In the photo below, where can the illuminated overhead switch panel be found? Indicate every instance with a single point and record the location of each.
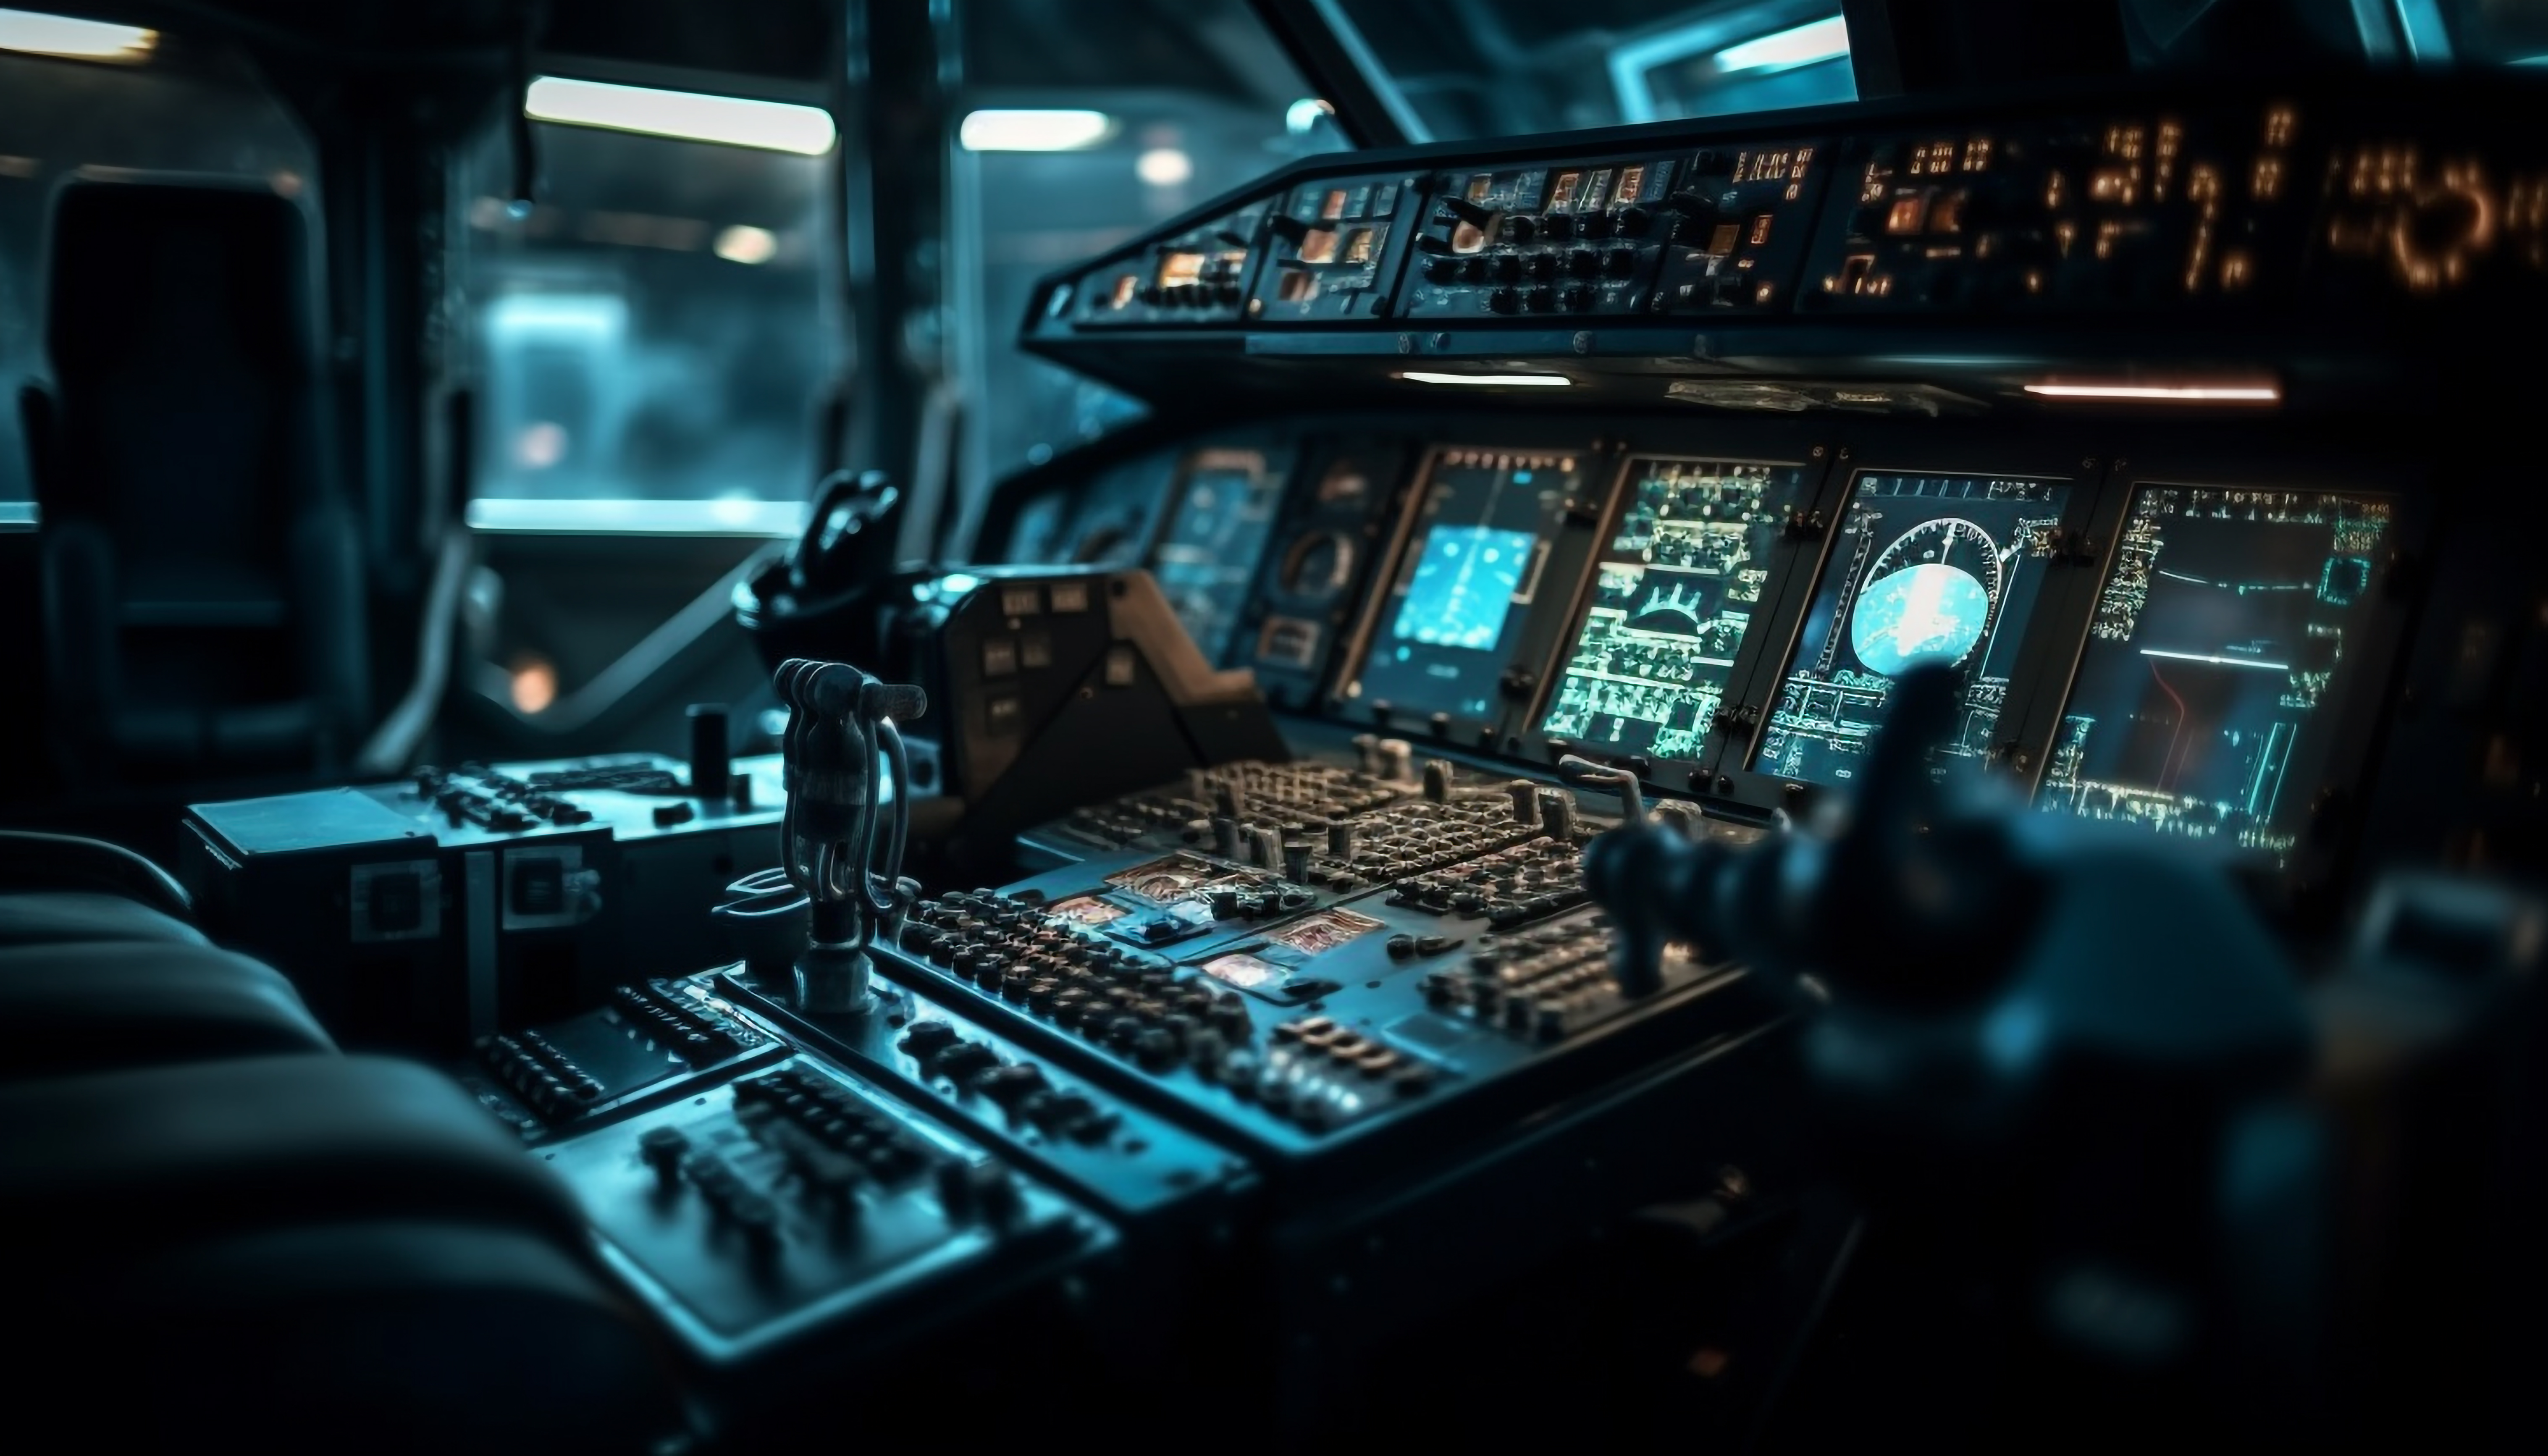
(2156, 211)
(1327, 252)
(1199, 275)
(1741, 221)
(1568, 241)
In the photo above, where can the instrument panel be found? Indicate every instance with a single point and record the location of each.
(1733, 262)
(1723, 607)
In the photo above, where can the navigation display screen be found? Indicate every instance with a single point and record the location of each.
(1474, 557)
(1926, 569)
(1224, 514)
(1674, 593)
(2218, 663)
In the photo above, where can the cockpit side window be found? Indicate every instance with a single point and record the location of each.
(1073, 134)
(653, 336)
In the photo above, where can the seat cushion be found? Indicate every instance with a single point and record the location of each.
(105, 1005)
(373, 1335)
(61, 917)
(118, 1164)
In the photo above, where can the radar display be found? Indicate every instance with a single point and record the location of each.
(2208, 693)
(1926, 569)
(1224, 516)
(1672, 597)
(1479, 539)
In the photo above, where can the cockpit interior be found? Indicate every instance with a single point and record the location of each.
(1291, 725)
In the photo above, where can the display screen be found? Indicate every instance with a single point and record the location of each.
(1926, 569)
(1473, 563)
(1224, 514)
(1674, 594)
(2218, 661)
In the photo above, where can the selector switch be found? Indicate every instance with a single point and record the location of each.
(927, 1038)
(663, 1148)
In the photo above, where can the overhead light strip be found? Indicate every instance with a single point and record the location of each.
(688, 116)
(38, 33)
(2226, 393)
(1417, 376)
(1822, 39)
(1049, 130)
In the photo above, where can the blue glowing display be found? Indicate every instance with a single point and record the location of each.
(2222, 652)
(1465, 579)
(1466, 582)
(1926, 569)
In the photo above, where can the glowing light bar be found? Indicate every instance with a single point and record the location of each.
(2265, 394)
(1417, 376)
(747, 245)
(689, 116)
(1034, 131)
(777, 519)
(81, 40)
(1822, 39)
(2216, 660)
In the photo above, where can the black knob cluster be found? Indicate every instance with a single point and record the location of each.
(696, 1033)
(1506, 888)
(1191, 294)
(833, 1139)
(480, 795)
(1127, 1001)
(1544, 984)
(1403, 840)
(544, 1077)
(1022, 1089)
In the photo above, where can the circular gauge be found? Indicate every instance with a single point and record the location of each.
(1927, 598)
(1317, 566)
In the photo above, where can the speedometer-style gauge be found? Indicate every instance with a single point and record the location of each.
(1928, 597)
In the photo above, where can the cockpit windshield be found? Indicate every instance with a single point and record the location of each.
(1467, 68)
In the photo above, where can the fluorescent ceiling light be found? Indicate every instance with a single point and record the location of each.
(1823, 39)
(728, 517)
(1164, 166)
(729, 121)
(2217, 392)
(1417, 376)
(85, 40)
(1034, 131)
(748, 246)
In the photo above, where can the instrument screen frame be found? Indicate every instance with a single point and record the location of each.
(1566, 557)
(1806, 447)
(2059, 615)
(2408, 483)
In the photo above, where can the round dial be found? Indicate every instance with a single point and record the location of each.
(1928, 597)
(1317, 566)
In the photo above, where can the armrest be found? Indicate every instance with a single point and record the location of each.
(30, 860)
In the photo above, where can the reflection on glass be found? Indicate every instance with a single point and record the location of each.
(1925, 569)
(657, 327)
(1479, 69)
(1225, 516)
(2216, 668)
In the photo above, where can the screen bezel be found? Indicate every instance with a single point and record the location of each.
(1275, 466)
(1569, 556)
(2060, 614)
(2324, 851)
(1807, 448)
